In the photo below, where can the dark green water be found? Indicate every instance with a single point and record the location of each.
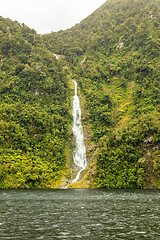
(79, 214)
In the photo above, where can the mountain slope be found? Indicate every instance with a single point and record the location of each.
(34, 110)
(114, 56)
(119, 78)
(123, 20)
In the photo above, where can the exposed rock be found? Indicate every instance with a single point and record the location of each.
(149, 140)
(120, 45)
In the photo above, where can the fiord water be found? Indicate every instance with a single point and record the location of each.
(74, 214)
(79, 151)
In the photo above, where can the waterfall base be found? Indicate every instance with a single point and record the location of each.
(76, 178)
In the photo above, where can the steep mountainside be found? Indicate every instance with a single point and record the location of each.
(34, 110)
(114, 56)
(132, 22)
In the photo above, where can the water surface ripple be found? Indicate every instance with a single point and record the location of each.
(79, 214)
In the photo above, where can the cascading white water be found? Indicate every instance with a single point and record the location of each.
(79, 151)
(57, 57)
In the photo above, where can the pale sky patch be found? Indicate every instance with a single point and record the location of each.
(46, 16)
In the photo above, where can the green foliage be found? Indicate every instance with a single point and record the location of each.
(114, 55)
(34, 110)
(123, 160)
(120, 80)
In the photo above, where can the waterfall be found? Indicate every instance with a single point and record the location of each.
(57, 57)
(79, 151)
(83, 60)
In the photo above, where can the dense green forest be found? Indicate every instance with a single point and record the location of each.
(114, 56)
(34, 109)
